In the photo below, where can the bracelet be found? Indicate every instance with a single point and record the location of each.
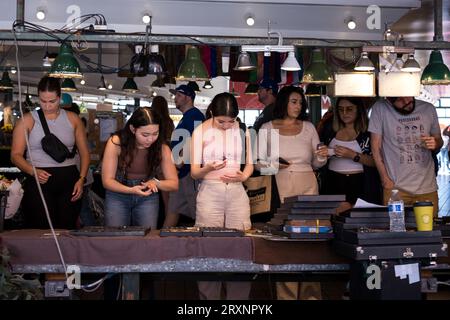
(158, 182)
(82, 178)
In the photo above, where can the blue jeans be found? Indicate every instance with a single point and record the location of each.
(131, 210)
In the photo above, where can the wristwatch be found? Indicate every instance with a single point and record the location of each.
(357, 157)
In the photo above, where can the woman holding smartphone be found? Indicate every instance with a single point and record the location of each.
(351, 162)
(221, 159)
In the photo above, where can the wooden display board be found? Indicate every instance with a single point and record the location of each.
(101, 125)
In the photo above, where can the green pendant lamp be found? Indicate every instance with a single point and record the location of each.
(65, 64)
(253, 86)
(436, 72)
(193, 68)
(130, 86)
(68, 85)
(5, 82)
(317, 71)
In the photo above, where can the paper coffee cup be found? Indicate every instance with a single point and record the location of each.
(423, 211)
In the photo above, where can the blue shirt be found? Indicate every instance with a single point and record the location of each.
(189, 121)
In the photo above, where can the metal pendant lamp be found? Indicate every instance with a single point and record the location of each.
(155, 61)
(317, 71)
(6, 82)
(65, 64)
(194, 86)
(244, 62)
(130, 86)
(436, 72)
(192, 68)
(68, 85)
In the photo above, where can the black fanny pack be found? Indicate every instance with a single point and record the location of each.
(52, 145)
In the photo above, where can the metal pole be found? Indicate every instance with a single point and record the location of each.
(438, 20)
(20, 13)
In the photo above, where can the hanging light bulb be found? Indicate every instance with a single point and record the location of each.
(208, 85)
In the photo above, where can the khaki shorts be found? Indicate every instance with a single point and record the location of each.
(183, 201)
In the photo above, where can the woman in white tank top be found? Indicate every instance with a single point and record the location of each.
(349, 150)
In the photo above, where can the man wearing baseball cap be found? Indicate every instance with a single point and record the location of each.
(183, 201)
(267, 94)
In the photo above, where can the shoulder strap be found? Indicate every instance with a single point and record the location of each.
(242, 131)
(43, 122)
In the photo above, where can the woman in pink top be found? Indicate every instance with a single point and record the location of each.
(220, 161)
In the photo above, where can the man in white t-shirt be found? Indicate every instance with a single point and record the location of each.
(404, 131)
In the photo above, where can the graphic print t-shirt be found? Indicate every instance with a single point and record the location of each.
(407, 161)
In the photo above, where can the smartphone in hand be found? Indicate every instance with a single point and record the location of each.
(283, 161)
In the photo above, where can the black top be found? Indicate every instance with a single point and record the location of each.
(265, 116)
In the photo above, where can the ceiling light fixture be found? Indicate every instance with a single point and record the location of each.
(68, 85)
(250, 21)
(208, 85)
(65, 64)
(411, 65)
(351, 24)
(436, 72)
(5, 82)
(317, 71)
(364, 63)
(102, 85)
(194, 86)
(143, 62)
(146, 18)
(130, 86)
(41, 13)
(192, 68)
(82, 82)
(291, 63)
(267, 49)
(244, 62)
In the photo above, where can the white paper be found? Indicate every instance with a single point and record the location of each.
(360, 203)
(408, 270)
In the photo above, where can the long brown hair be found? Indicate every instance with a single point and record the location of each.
(161, 107)
(361, 121)
(141, 117)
